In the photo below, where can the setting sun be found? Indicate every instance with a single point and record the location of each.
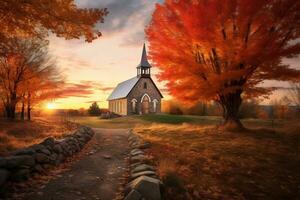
(50, 106)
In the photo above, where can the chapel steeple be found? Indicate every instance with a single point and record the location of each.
(143, 69)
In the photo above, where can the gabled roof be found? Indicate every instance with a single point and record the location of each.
(123, 89)
(144, 60)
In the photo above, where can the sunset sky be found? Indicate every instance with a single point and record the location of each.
(92, 70)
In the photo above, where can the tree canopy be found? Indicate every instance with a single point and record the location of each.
(94, 109)
(26, 73)
(224, 50)
(63, 18)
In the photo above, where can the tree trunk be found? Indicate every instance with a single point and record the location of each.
(10, 106)
(28, 108)
(23, 109)
(231, 104)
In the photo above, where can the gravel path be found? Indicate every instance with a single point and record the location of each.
(97, 176)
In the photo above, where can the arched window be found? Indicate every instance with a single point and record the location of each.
(148, 98)
(155, 105)
(133, 105)
(145, 85)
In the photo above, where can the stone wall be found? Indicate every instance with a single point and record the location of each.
(143, 181)
(37, 158)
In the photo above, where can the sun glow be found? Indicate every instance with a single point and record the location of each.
(50, 106)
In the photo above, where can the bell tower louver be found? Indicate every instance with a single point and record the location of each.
(144, 68)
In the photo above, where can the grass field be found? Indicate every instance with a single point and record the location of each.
(194, 159)
(18, 134)
(199, 162)
(133, 121)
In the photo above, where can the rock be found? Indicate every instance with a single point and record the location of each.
(107, 156)
(20, 175)
(132, 137)
(57, 148)
(138, 158)
(53, 157)
(143, 173)
(46, 166)
(134, 144)
(45, 151)
(49, 142)
(4, 174)
(17, 161)
(133, 195)
(77, 146)
(2, 162)
(81, 140)
(134, 165)
(145, 145)
(134, 150)
(38, 147)
(42, 158)
(38, 168)
(135, 153)
(25, 151)
(60, 158)
(142, 167)
(148, 187)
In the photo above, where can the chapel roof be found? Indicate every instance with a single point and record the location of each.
(123, 89)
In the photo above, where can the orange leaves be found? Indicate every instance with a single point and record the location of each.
(210, 48)
(63, 18)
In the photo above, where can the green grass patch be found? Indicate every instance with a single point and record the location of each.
(132, 121)
(135, 120)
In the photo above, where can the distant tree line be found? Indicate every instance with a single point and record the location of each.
(93, 110)
(284, 108)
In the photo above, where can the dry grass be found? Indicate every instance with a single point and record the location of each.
(18, 134)
(199, 162)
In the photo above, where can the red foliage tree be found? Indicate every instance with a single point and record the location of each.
(61, 17)
(223, 50)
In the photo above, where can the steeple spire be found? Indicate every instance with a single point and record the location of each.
(143, 69)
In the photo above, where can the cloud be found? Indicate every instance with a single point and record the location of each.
(69, 62)
(129, 16)
(121, 12)
(82, 89)
(292, 62)
(93, 101)
(133, 40)
(106, 89)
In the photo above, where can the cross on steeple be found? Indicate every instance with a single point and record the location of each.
(143, 69)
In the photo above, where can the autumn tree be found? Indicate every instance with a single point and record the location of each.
(44, 86)
(23, 68)
(223, 50)
(63, 18)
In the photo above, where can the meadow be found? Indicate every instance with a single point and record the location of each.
(136, 120)
(197, 161)
(193, 157)
(18, 134)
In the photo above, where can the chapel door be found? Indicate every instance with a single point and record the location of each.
(145, 105)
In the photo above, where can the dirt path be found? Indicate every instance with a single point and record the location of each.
(96, 176)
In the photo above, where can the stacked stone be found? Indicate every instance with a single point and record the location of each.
(144, 183)
(36, 159)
